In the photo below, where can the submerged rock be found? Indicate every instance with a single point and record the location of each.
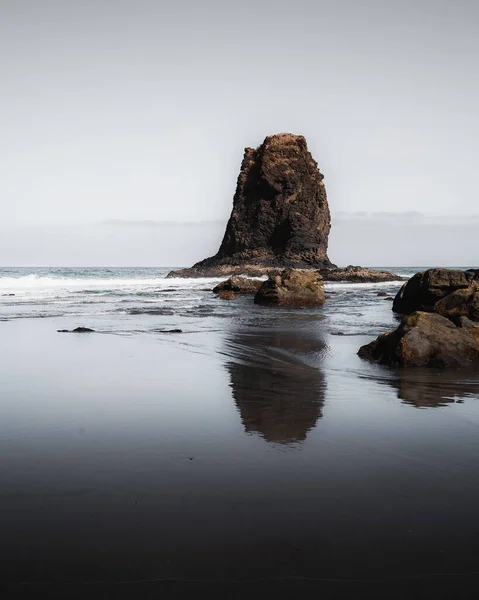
(239, 285)
(354, 274)
(280, 215)
(293, 287)
(226, 295)
(426, 339)
(77, 330)
(425, 289)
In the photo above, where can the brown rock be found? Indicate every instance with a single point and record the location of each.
(239, 285)
(280, 215)
(424, 289)
(461, 303)
(426, 339)
(226, 295)
(293, 287)
(354, 274)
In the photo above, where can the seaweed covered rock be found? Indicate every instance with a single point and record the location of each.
(293, 287)
(426, 339)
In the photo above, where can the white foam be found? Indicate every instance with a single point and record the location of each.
(34, 282)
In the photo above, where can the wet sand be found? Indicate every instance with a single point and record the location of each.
(267, 458)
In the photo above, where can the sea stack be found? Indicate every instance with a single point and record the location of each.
(280, 215)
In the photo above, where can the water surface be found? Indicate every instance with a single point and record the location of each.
(253, 448)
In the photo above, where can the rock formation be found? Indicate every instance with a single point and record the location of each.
(239, 285)
(357, 275)
(425, 289)
(280, 215)
(293, 287)
(426, 339)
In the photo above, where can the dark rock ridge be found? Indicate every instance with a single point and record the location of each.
(293, 287)
(426, 339)
(239, 285)
(77, 330)
(425, 289)
(354, 274)
(280, 215)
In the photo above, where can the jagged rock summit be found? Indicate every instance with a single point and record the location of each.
(280, 215)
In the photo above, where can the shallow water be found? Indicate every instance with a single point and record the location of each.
(253, 446)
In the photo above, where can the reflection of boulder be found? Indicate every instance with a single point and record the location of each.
(278, 395)
(425, 389)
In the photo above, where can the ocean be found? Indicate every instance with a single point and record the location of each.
(191, 441)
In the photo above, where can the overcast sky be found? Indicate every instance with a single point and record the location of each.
(141, 109)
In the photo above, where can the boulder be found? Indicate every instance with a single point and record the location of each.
(461, 303)
(426, 339)
(280, 215)
(425, 289)
(354, 274)
(226, 295)
(293, 287)
(239, 285)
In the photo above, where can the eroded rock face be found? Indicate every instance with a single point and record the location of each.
(425, 289)
(280, 215)
(239, 285)
(426, 339)
(293, 287)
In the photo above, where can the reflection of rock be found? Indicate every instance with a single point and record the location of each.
(423, 389)
(278, 396)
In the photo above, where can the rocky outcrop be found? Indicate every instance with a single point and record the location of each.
(425, 289)
(280, 215)
(293, 287)
(239, 285)
(426, 339)
(354, 274)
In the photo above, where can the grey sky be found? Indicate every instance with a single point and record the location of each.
(114, 109)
